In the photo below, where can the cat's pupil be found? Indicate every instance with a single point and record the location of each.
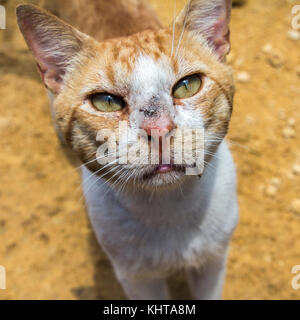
(186, 84)
(109, 99)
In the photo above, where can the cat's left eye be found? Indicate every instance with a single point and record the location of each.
(107, 102)
(187, 87)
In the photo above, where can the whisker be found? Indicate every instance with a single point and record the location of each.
(96, 159)
(106, 183)
(210, 168)
(128, 178)
(233, 143)
(99, 178)
(214, 155)
(183, 29)
(93, 174)
(174, 26)
(96, 172)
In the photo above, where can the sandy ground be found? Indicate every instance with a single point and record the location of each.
(46, 243)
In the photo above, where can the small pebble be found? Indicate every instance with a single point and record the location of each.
(295, 206)
(291, 122)
(275, 182)
(275, 60)
(271, 191)
(250, 119)
(294, 35)
(289, 174)
(239, 62)
(243, 77)
(288, 133)
(267, 48)
(296, 169)
(5, 123)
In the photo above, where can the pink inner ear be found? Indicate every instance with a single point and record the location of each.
(49, 70)
(211, 18)
(51, 78)
(52, 42)
(221, 35)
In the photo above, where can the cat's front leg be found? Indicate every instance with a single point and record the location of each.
(144, 288)
(206, 282)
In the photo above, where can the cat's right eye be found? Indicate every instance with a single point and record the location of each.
(187, 87)
(107, 102)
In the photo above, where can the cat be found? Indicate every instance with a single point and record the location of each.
(124, 66)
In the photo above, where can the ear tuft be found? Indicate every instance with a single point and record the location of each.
(53, 43)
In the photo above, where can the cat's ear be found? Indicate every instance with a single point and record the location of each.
(210, 19)
(53, 43)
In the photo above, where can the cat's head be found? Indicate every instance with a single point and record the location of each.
(163, 82)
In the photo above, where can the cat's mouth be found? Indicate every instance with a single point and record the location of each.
(165, 169)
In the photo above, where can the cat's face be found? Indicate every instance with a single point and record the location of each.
(162, 82)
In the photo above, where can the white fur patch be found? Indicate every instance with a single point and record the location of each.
(151, 78)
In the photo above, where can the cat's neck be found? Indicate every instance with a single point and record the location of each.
(139, 200)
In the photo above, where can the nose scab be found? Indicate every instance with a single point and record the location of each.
(149, 112)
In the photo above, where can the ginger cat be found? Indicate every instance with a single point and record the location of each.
(124, 67)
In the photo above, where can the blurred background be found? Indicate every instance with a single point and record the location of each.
(46, 243)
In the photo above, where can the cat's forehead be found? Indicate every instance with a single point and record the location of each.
(144, 65)
(152, 43)
(131, 62)
(182, 50)
(143, 61)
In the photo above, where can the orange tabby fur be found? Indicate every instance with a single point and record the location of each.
(147, 227)
(107, 65)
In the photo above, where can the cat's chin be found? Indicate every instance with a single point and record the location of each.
(162, 177)
(149, 178)
(165, 181)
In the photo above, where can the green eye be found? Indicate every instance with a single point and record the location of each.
(187, 87)
(106, 102)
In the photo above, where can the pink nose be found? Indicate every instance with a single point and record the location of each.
(162, 126)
